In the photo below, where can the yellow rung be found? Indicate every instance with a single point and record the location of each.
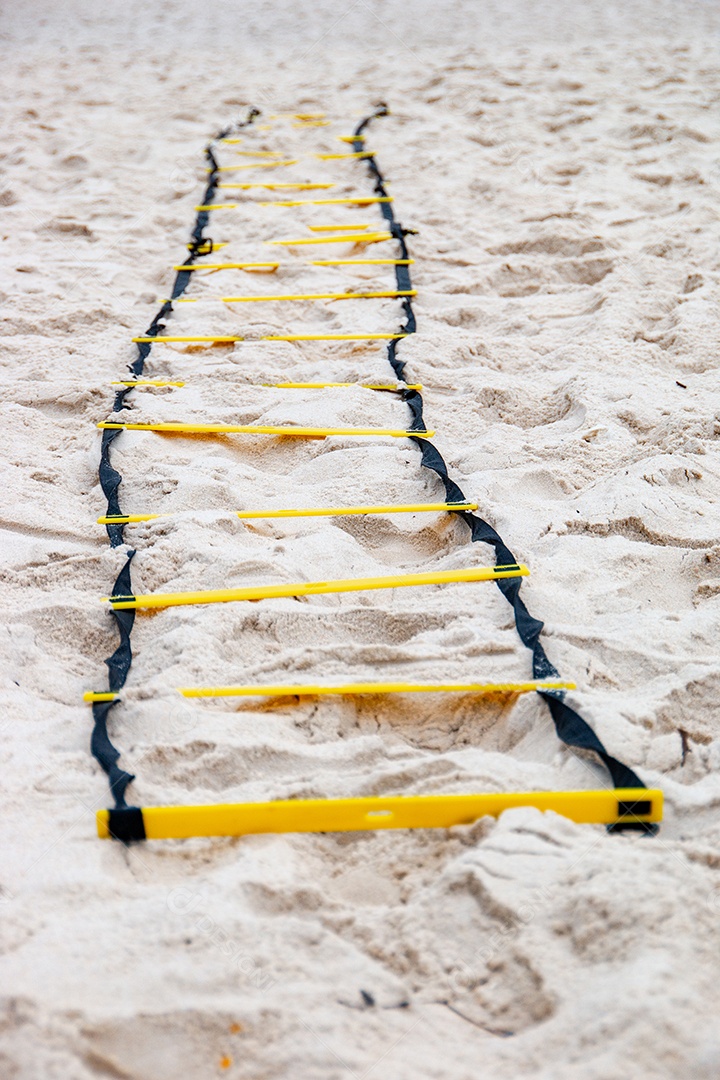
(606, 807)
(317, 588)
(414, 508)
(89, 695)
(189, 337)
(226, 338)
(383, 295)
(230, 141)
(312, 690)
(144, 382)
(218, 206)
(274, 187)
(128, 519)
(298, 116)
(262, 429)
(365, 386)
(351, 138)
(334, 337)
(357, 200)
(361, 262)
(230, 266)
(214, 248)
(339, 157)
(364, 238)
(337, 228)
(255, 165)
(270, 267)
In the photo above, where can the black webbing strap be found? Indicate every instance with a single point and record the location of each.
(570, 727)
(126, 822)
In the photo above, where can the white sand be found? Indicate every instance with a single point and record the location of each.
(561, 165)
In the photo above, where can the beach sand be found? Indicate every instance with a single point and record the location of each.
(560, 165)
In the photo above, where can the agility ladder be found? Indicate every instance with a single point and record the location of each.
(629, 804)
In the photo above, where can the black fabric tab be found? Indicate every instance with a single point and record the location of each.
(126, 824)
(627, 809)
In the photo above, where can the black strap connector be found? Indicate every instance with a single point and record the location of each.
(125, 823)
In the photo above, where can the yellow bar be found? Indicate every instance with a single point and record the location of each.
(189, 337)
(362, 238)
(339, 157)
(414, 508)
(276, 187)
(89, 695)
(365, 386)
(230, 141)
(337, 228)
(359, 262)
(145, 382)
(127, 519)
(256, 165)
(214, 248)
(313, 262)
(387, 294)
(357, 200)
(351, 138)
(385, 812)
(353, 689)
(228, 266)
(297, 116)
(334, 337)
(275, 337)
(218, 206)
(317, 588)
(262, 429)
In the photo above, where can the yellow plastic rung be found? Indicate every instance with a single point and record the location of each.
(399, 387)
(352, 689)
(230, 142)
(89, 695)
(413, 508)
(337, 228)
(382, 295)
(262, 429)
(356, 200)
(362, 238)
(144, 382)
(360, 262)
(339, 157)
(127, 519)
(274, 187)
(298, 116)
(388, 812)
(228, 266)
(335, 337)
(227, 338)
(351, 138)
(215, 247)
(270, 267)
(317, 588)
(189, 337)
(255, 165)
(218, 206)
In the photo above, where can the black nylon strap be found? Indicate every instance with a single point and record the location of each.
(569, 725)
